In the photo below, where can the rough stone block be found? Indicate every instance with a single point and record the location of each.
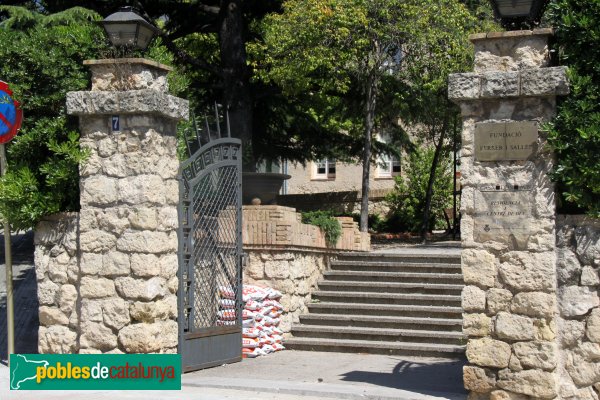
(504, 395)
(577, 300)
(488, 352)
(98, 190)
(473, 299)
(91, 263)
(148, 338)
(97, 241)
(514, 327)
(582, 364)
(532, 382)
(115, 313)
(147, 242)
(572, 332)
(91, 310)
(143, 218)
(115, 263)
(141, 289)
(57, 339)
(47, 292)
(154, 311)
(528, 272)
(592, 330)
(478, 380)
(476, 325)
(464, 86)
(52, 316)
(97, 336)
(478, 268)
(550, 81)
(499, 84)
(94, 288)
(589, 277)
(66, 298)
(141, 189)
(540, 355)
(145, 265)
(498, 300)
(534, 304)
(168, 266)
(568, 267)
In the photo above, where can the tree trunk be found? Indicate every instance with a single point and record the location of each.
(432, 171)
(237, 97)
(370, 98)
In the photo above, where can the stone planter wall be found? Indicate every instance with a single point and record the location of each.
(287, 255)
(578, 265)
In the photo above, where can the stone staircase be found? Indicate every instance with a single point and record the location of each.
(406, 304)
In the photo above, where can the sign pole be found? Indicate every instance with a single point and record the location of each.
(10, 319)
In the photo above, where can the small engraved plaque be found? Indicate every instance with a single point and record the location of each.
(510, 141)
(503, 214)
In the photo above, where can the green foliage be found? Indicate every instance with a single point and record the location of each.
(575, 132)
(328, 224)
(42, 59)
(407, 200)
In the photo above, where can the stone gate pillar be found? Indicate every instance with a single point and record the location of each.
(127, 258)
(508, 216)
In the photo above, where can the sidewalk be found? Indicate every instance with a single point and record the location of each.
(294, 375)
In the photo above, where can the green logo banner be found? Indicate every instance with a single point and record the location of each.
(95, 372)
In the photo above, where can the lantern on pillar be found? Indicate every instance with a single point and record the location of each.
(126, 28)
(519, 14)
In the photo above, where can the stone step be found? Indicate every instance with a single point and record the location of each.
(401, 258)
(405, 277)
(378, 334)
(385, 266)
(387, 298)
(386, 309)
(377, 347)
(376, 321)
(391, 287)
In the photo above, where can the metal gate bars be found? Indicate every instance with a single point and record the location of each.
(210, 255)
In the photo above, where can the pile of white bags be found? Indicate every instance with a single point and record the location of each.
(260, 316)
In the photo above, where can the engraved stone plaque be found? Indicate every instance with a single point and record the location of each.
(510, 141)
(503, 214)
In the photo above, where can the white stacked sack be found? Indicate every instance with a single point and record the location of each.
(260, 316)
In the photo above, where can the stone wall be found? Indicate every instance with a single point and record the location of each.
(290, 256)
(508, 220)
(57, 273)
(578, 265)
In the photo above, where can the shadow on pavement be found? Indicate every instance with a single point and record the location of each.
(424, 378)
(25, 296)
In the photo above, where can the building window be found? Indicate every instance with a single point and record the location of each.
(388, 166)
(325, 169)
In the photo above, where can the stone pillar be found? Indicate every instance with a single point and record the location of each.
(508, 216)
(128, 220)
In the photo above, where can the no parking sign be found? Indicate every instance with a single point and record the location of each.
(11, 114)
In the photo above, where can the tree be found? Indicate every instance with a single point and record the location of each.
(362, 47)
(575, 132)
(42, 59)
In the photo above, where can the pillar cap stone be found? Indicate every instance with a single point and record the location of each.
(510, 34)
(140, 61)
(131, 102)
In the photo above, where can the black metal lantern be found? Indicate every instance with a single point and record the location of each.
(519, 14)
(126, 28)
